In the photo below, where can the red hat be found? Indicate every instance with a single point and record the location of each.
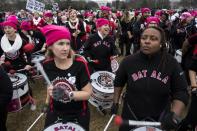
(145, 10)
(48, 14)
(54, 33)
(13, 18)
(101, 21)
(10, 23)
(105, 8)
(152, 19)
(28, 48)
(25, 25)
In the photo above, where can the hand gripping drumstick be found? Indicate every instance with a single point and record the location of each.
(35, 121)
(111, 118)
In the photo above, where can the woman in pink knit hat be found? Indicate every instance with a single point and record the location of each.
(69, 75)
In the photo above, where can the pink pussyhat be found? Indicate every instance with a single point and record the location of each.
(53, 33)
(185, 15)
(101, 21)
(10, 23)
(13, 18)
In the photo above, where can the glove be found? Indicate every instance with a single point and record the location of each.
(170, 121)
(58, 93)
(45, 108)
(114, 108)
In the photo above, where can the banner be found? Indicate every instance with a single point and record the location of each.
(33, 5)
(55, 7)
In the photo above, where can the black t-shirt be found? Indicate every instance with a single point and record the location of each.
(150, 86)
(72, 79)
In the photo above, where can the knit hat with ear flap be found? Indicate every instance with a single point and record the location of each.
(53, 33)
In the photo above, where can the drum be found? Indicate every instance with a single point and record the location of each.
(178, 56)
(69, 126)
(114, 65)
(20, 92)
(146, 128)
(103, 89)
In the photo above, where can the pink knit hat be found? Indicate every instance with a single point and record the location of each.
(152, 19)
(48, 14)
(25, 25)
(10, 23)
(185, 15)
(101, 21)
(13, 18)
(54, 33)
(145, 10)
(105, 8)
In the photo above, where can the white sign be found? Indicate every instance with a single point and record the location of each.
(55, 7)
(34, 5)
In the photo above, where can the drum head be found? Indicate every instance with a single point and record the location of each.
(103, 81)
(17, 79)
(146, 128)
(69, 126)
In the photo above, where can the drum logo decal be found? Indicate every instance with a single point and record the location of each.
(65, 127)
(150, 129)
(12, 55)
(65, 84)
(105, 80)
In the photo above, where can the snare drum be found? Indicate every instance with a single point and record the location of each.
(146, 128)
(114, 65)
(103, 89)
(69, 126)
(20, 92)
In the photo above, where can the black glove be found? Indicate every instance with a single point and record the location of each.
(170, 121)
(58, 93)
(45, 108)
(114, 108)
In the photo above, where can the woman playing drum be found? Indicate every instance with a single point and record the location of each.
(156, 85)
(70, 87)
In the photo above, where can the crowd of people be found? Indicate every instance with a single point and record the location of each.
(78, 43)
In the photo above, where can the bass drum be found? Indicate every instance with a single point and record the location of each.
(69, 126)
(20, 92)
(146, 128)
(103, 89)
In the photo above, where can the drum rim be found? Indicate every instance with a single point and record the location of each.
(65, 123)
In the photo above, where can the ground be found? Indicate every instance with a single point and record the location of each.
(21, 121)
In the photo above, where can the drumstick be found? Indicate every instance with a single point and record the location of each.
(35, 121)
(40, 68)
(111, 118)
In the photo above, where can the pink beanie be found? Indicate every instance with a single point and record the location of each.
(48, 14)
(145, 10)
(152, 19)
(25, 25)
(54, 33)
(185, 15)
(101, 21)
(13, 18)
(105, 8)
(10, 23)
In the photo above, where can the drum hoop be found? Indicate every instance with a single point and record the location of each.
(65, 123)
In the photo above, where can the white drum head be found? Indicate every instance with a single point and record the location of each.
(17, 79)
(146, 128)
(103, 81)
(69, 126)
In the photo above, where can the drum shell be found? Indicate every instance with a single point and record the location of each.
(146, 128)
(102, 93)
